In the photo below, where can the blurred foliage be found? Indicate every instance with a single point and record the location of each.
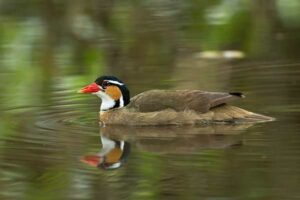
(47, 39)
(124, 36)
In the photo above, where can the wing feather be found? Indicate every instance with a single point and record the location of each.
(179, 100)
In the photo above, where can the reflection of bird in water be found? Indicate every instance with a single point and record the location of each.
(162, 140)
(178, 139)
(112, 155)
(161, 107)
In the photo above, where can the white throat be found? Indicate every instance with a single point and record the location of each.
(107, 102)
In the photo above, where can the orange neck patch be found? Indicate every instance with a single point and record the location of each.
(114, 92)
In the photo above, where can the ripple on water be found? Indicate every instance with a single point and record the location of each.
(48, 134)
(65, 119)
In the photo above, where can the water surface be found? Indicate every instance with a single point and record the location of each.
(46, 133)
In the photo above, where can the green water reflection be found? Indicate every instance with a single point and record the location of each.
(50, 49)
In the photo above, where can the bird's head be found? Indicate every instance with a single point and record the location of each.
(112, 91)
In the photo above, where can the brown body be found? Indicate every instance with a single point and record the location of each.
(179, 107)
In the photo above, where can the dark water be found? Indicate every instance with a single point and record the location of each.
(46, 135)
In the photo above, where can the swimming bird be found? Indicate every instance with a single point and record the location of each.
(167, 107)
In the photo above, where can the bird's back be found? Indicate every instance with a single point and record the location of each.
(180, 100)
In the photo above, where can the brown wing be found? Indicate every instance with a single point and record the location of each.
(179, 100)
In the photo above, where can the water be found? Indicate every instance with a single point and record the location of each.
(47, 132)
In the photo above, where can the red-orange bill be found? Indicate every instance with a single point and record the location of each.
(90, 88)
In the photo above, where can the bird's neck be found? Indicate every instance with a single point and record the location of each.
(109, 103)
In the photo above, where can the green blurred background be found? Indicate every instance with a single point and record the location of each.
(130, 36)
(136, 40)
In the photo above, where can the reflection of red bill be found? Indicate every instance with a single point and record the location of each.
(92, 160)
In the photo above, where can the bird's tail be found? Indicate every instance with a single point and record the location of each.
(237, 115)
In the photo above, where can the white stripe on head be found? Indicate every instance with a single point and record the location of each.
(115, 82)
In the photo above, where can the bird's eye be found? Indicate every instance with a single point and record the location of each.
(105, 84)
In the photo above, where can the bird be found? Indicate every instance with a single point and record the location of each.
(167, 107)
